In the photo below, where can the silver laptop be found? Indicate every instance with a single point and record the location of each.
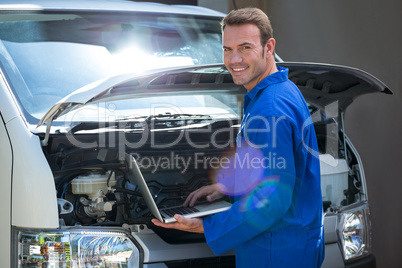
(166, 214)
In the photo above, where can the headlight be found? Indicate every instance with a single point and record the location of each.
(75, 248)
(355, 232)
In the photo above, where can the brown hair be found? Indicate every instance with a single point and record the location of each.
(250, 15)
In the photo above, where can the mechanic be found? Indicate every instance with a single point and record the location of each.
(276, 218)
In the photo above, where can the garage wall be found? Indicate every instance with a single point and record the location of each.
(365, 34)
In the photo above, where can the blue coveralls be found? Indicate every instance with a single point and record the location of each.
(277, 216)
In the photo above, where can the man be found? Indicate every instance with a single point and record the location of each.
(276, 219)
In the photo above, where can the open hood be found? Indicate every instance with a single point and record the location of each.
(321, 84)
(325, 84)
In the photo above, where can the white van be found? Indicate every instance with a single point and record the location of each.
(79, 91)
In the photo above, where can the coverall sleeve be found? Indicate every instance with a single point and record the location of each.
(271, 197)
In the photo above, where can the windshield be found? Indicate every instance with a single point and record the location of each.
(46, 56)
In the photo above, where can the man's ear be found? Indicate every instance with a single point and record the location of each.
(270, 46)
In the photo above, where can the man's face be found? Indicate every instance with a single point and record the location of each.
(244, 56)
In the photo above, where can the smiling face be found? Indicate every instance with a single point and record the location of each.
(244, 56)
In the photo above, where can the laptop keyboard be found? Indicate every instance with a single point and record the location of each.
(179, 210)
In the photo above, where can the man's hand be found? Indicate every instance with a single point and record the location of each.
(193, 225)
(210, 192)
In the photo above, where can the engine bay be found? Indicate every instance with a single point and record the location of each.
(95, 188)
(108, 196)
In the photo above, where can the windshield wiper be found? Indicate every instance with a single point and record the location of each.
(108, 124)
(97, 125)
(167, 120)
(168, 116)
(178, 116)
